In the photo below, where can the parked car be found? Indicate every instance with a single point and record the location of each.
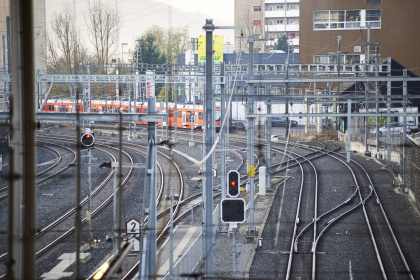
(239, 124)
(281, 121)
(395, 128)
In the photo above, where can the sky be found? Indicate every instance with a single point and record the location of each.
(139, 15)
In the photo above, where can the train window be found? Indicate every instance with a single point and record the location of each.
(145, 110)
(137, 110)
(50, 107)
(217, 115)
(171, 114)
(191, 117)
(63, 109)
(200, 115)
(77, 108)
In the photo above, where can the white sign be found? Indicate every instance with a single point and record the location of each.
(136, 244)
(133, 227)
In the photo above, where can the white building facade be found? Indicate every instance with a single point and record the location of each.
(267, 20)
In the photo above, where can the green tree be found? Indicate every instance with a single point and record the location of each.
(167, 42)
(148, 50)
(282, 44)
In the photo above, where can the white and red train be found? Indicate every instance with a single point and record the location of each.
(188, 116)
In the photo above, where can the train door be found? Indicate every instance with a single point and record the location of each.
(56, 108)
(196, 119)
(184, 118)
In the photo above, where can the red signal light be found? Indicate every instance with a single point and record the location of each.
(233, 183)
(87, 140)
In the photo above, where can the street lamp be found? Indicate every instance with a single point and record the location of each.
(122, 51)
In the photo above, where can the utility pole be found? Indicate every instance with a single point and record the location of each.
(334, 119)
(250, 145)
(22, 193)
(151, 180)
(209, 123)
(209, 137)
(367, 152)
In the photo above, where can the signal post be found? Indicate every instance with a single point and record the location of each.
(233, 209)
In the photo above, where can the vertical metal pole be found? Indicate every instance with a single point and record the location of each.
(367, 153)
(151, 175)
(143, 237)
(268, 152)
(251, 133)
(338, 75)
(136, 93)
(171, 221)
(286, 105)
(208, 207)
(167, 106)
(377, 103)
(176, 112)
(223, 156)
(120, 189)
(9, 51)
(88, 215)
(348, 129)
(23, 217)
(388, 119)
(4, 69)
(405, 133)
(130, 110)
(233, 253)
(114, 212)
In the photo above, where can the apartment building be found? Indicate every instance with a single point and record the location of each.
(393, 28)
(267, 20)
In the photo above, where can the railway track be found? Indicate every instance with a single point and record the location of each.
(311, 231)
(361, 194)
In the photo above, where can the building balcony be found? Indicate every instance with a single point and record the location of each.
(295, 42)
(281, 1)
(275, 28)
(274, 14)
(282, 28)
(281, 14)
(292, 28)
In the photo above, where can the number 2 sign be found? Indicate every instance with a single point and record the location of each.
(133, 227)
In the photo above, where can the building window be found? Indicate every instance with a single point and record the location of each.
(332, 59)
(292, 7)
(279, 21)
(257, 8)
(257, 22)
(292, 21)
(270, 8)
(373, 2)
(280, 7)
(353, 19)
(373, 18)
(270, 22)
(347, 19)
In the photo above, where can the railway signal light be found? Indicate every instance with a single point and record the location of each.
(233, 183)
(233, 210)
(87, 140)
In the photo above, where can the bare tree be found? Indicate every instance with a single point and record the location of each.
(104, 25)
(252, 24)
(64, 49)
